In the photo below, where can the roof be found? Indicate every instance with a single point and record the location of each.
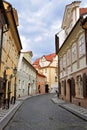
(36, 62)
(2, 9)
(50, 57)
(41, 74)
(83, 11)
(30, 52)
(29, 64)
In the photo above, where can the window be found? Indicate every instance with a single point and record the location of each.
(61, 64)
(80, 86)
(4, 40)
(74, 52)
(81, 46)
(68, 57)
(55, 78)
(19, 83)
(45, 70)
(9, 46)
(64, 61)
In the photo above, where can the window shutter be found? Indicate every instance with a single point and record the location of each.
(84, 85)
(73, 86)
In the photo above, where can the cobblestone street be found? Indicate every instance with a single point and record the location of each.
(40, 113)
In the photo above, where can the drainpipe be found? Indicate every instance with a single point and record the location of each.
(56, 50)
(1, 45)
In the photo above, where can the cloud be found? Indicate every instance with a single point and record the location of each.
(39, 21)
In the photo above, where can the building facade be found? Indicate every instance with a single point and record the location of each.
(11, 46)
(3, 23)
(40, 83)
(47, 65)
(72, 57)
(26, 76)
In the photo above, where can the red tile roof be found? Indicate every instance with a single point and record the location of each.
(83, 11)
(50, 57)
(36, 62)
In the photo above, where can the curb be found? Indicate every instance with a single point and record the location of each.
(74, 112)
(61, 104)
(9, 115)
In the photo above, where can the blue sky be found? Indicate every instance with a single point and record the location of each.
(39, 21)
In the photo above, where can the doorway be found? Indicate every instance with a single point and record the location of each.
(46, 88)
(70, 90)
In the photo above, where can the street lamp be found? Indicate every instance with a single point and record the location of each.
(15, 72)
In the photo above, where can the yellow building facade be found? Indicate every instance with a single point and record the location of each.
(11, 46)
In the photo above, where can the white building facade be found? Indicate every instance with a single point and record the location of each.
(26, 77)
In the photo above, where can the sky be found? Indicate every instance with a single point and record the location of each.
(39, 21)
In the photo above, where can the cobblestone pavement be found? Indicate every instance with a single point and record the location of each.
(40, 113)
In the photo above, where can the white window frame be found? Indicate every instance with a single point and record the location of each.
(61, 64)
(68, 57)
(64, 61)
(4, 40)
(74, 52)
(81, 46)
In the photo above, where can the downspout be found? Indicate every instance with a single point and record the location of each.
(56, 50)
(1, 46)
(86, 44)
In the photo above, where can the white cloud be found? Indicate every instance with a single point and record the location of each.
(38, 39)
(39, 21)
(25, 43)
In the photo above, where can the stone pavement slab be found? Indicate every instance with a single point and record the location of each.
(76, 110)
(6, 114)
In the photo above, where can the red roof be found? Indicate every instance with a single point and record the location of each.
(36, 62)
(50, 57)
(83, 11)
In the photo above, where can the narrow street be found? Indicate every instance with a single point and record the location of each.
(40, 113)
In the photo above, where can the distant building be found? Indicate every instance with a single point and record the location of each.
(47, 65)
(72, 56)
(40, 83)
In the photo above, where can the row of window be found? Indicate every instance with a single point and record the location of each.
(78, 85)
(76, 51)
(8, 46)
